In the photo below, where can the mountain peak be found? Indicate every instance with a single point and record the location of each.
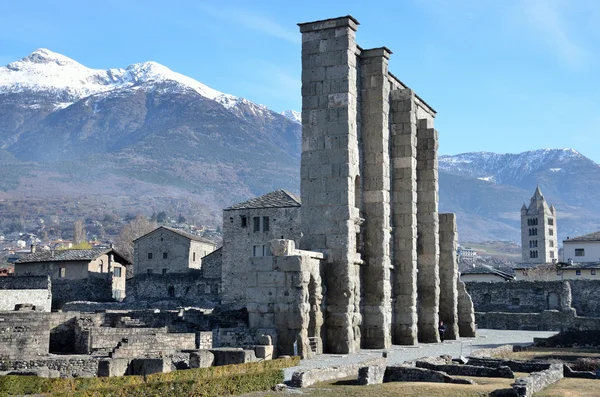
(293, 115)
(44, 56)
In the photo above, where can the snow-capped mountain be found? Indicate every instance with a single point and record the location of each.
(293, 115)
(514, 168)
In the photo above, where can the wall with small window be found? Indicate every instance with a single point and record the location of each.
(247, 233)
(581, 251)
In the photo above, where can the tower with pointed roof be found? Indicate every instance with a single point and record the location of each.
(539, 241)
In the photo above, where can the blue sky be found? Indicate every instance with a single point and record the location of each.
(504, 75)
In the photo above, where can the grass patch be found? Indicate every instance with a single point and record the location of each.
(572, 387)
(349, 388)
(550, 353)
(228, 379)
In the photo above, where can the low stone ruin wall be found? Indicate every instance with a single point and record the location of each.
(316, 375)
(537, 381)
(402, 373)
(514, 365)
(34, 290)
(469, 370)
(24, 334)
(550, 320)
(67, 366)
(536, 296)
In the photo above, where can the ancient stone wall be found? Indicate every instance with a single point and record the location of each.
(187, 289)
(284, 299)
(550, 320)
(97, 289)
(537, 296)
(68, 366)
(211, 265)
(241, 242)
(34, 290)
(24, 335)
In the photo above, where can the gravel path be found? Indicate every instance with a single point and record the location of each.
(486, 338)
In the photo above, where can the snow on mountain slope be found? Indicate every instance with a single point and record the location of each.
(293, 115)
(44, 70)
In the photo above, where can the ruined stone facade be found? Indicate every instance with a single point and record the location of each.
(369, 187)
(539, 237)
(248, 228)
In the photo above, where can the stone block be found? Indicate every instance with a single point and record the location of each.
(226, 356)
(113, 367)
(202, 359)
(147, 366)
(264, 352)
(371, 375)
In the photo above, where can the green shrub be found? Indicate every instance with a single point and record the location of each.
(252, 372)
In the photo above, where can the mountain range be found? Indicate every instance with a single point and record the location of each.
(75, 140)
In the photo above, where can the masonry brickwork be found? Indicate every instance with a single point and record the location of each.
(369, 188)
(34, 290)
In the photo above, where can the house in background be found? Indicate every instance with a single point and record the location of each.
(483, 273)
(78, 264)
(582, 249)
(167, 250)
(557, 271)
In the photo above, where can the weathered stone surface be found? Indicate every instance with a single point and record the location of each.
(226, 356)
(466, 312)
(147, 366)
(412, 374)
(371, 375)
(201, 359)
(449, 275)
(32, 290)
(469, 370)
(264, 352)
(315, 375)
(537, 381)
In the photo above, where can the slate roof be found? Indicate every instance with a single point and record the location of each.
(583, 265)
(277, 199)
(595, 236)
(482, 269)
(181, 233)
(66, 255)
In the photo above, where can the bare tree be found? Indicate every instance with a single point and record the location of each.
(78, 232)
(131, 231)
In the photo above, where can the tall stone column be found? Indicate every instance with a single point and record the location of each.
(403, 129)
(330, 177)
(375, 89)
(466, 312)
(428, 279)
(449, 274)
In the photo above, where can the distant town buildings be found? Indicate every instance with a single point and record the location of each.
(484, 273)
(466, 255)
(582, 249)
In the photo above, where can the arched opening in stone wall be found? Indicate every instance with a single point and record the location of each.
(553, 301)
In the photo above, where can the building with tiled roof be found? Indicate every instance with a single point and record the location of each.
(167, 250)
(248, 227)
(277, 199)
(76, 264)
(484, 273)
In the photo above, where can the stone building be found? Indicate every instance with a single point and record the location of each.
(539, 237)
(166, 250)
(75, 265)
(248, 228)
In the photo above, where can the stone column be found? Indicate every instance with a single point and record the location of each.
(330, 171)
(466, 312)
(375, 89)
(403, 129)
(428, 279)
(448, 274)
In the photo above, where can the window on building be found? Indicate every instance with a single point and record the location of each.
(259, 250)
(533, 231)
(550, 221)
(579, 252)
(265, 223)
(165, 255)
(244, 220)
(101, 268)
(256, 221)
(149, 271)
(149, 255)
(533, 243)
(551, 254)
(164, 272)
(551, 232)
(578, 272)
(593, 272)
(551, 243)
(117, 271)
(194, 257)
(533, 254)
(62, 272)
(532, 222)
